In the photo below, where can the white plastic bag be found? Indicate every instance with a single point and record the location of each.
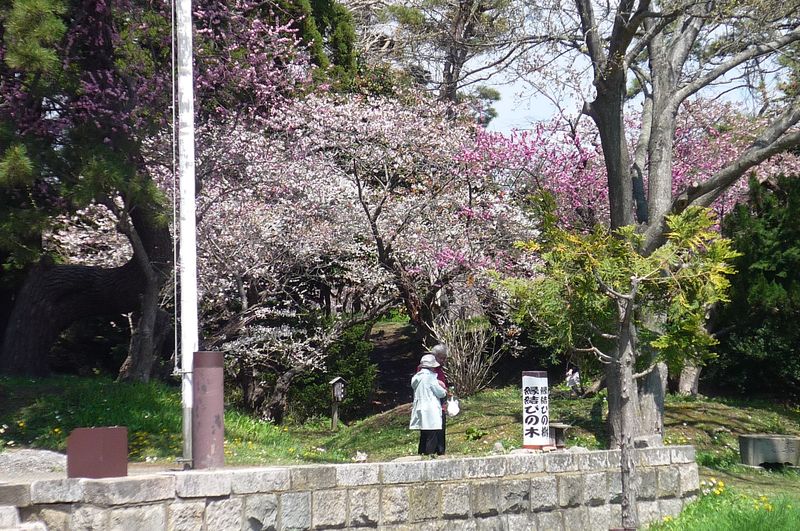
(452, 407)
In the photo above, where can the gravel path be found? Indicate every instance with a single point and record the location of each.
(29, 465)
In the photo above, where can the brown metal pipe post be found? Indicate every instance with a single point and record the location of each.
(208, 415)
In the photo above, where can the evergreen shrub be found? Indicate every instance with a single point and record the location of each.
(349, 358)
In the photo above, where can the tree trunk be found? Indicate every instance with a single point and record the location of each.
(138, 365)
(276, 405)
(652, 390)
(55, 296)
(622, 409)
(270, 405)
(689, 380)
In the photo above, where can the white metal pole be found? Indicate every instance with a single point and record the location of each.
(188, 242)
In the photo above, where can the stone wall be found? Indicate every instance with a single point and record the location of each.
(560, 490)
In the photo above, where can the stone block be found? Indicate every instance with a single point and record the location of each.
(614, 487)
(592, 461)
(560, 462)
(394, 505)
(595, 488)
(430, 525)
(514, 496)
(185, 516)
(490, 523)
(614, 459)
(690, 479)
(648, 512)
(570, 490)
(524, 464)
(444, 469)
(459, 525)
(313, 477)
(647, 483)
(53, 517)
(544, 493)
(295, 510)
(402, 472)
(671, 507)
(224, 514)
(56, 491)
(551, 521)
(364, 507)
(129, 490)
(31, 526)
(484, 467)
(669, 482)
(616, 514)
(203, 483)
(521, 522)
(599, 518)
(130, 518)
(576, 518)
(260, 512)
(455, 501)
(88, 517)
(259, 480)
(759, 448)
(682, 454)
(16, 495)
(329, 508)
(648, 441)
(357, 475)
(9, 516)
(424, 502)
(483, 498)
(652, 456)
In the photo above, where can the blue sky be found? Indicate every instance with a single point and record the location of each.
(518, 109)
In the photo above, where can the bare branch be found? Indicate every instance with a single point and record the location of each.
(602, 357)
(638, 375)
(591, 35)
(611, 291)
(738, 59)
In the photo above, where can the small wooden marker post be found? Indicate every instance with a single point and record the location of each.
(337, 395)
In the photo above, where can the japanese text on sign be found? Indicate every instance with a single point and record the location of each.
(535, 409)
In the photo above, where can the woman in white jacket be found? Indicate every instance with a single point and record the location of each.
(426, 413)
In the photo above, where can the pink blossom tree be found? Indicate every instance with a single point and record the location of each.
(347, 205)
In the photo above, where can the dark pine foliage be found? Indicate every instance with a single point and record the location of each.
(758, 351)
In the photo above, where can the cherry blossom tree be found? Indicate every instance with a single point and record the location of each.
(347, 205)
